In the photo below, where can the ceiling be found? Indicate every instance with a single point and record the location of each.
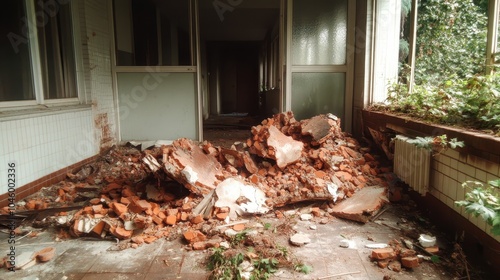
(248, 21)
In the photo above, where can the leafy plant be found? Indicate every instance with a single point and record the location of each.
(222, 267)
(267, 226)
(239, 237)
(303, 268)
(483, 201)
(469, 102)
(437, 144)
(264, 268)
(451, 40)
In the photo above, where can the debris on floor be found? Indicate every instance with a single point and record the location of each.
(190, 189)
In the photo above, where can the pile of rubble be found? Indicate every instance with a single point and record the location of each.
(190, 188)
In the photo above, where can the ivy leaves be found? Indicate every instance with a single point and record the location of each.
(483, 201)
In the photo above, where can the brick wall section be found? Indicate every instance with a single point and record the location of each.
(450, 169)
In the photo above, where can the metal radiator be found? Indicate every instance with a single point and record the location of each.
(412, 164)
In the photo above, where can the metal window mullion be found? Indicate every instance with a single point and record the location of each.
(413, 43)
(491, 46)
(288, 82)
(349, 76)
(36, 67)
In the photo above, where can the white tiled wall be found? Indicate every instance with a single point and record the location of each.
(450, 169)
(45, 144)
(96, 50)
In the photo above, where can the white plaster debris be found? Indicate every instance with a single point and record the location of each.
(306, 217)
(300, 239)
(376, 246)
(346, 243)
(332, 189)
(228, 192)
(285, 153)
(190, 175)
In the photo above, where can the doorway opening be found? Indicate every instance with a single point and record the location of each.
(239, 48)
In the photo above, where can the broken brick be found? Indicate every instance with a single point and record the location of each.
(119, 208)
(99, 228)
(150, 239)
(122, 233)
(194, 236)
(46, 254)
(410, 262)
(383, 254)
(197, 219)
(171, 220)
(239, 227)
(432, 250)
(394, 266)
(200, 245)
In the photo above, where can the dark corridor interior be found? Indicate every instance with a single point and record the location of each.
(238, 76)
(233, 39)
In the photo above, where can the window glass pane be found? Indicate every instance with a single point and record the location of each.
(318, 93)
(319, 32)
(55, 39)
(15, 67)
(152, 33)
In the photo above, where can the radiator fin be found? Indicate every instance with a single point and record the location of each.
(412, 164)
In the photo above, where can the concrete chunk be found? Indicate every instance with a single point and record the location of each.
(362, 205)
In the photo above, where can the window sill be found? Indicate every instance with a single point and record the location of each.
(40, 110)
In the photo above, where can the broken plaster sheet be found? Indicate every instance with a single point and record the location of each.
(287, 149)
(230, 190)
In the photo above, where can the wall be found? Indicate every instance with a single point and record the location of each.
(478, 160)
(96, 45)
(45, 143)
(450, 169)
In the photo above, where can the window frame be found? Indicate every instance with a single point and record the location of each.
(36, 65)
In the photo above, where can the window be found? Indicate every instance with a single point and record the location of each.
(57, 60)
(16, 82)
(152, 33)
(41, 42)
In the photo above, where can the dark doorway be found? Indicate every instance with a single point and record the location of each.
(238, 76)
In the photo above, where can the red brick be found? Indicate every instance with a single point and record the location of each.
(197, 219)
(171, 220)
(150, 239)
(194, 236)
(157, 220)
(99, 228)
(383, 254)
(239, 227)
(119, 208)
(432, 250)
(138, 239)
(410, 262)
(122, 233)
(222, 216)
(199, 245)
